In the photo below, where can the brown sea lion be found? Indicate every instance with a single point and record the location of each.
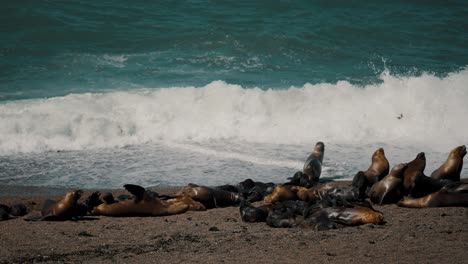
(210, 197)
(145, 203)
(388, 190)
(281, 193)
(453, 194)
(347, 216)
(64, 209)
(313, 165)
(192, 204)
(378, 168)
(415, 168)
(452, 167)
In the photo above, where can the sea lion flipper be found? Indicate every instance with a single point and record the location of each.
(136, 190)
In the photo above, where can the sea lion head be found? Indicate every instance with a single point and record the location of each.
(319, 147)
(421, 156)
(73, 196)
(378, 154)
(459, 151)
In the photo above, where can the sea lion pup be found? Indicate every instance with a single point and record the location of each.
(4, 212)
(388, 190)
(145, 203)
(378, 168)
(250, 190)
(210, 197)
(452, 166)
(64, 209)
(283, 214)
(281, 193)
(252, 214)
(453, 194)
(19, 210)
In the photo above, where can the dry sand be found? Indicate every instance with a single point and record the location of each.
(431, 235)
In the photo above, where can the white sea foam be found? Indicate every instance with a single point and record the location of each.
(434, 110)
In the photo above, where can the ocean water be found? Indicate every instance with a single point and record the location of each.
(99, 94)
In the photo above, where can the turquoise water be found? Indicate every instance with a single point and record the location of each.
(103, 93)
(52, 48)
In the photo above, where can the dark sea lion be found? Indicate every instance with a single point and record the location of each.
(388, 190)
(378, 168)
(281, 193)
(452, 167)
(4, 212)
(64, 209)
(210, 197)
(19, 210)
(252, 214)
(453, 194)
(145, 203)
(313, 164)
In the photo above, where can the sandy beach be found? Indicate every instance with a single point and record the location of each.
(431, 235)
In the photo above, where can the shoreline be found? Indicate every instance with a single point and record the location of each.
(428, 235)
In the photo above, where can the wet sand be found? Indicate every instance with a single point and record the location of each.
(430, 235)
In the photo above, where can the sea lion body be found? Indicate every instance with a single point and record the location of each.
(378, 168)
(415, 169)
(281, 193)
(145, 203)
(354, 216)
(66, 208)
(210, 197)
(452, 167)
(454, 194)
(388, 190)
(313, 164)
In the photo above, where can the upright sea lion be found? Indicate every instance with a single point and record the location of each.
(388, 190)
(64, 209)
(145, 203)
(453, 194)
(313, 165)
(415, 168)
(452, 167)
(210, 197)
(378, 168)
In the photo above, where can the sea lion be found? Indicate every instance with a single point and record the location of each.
(191, 203)
(252, 214)
(313, 164)
(388, 190)
(452, 167)
(415, 169)
(4, 212)
(281, 193)
(64, 209)
(145, 203)
(358, 215)
(453, 194)
(19, 210)
(210, 197)
(378, 168)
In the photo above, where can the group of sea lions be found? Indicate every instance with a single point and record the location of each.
(303, 201)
